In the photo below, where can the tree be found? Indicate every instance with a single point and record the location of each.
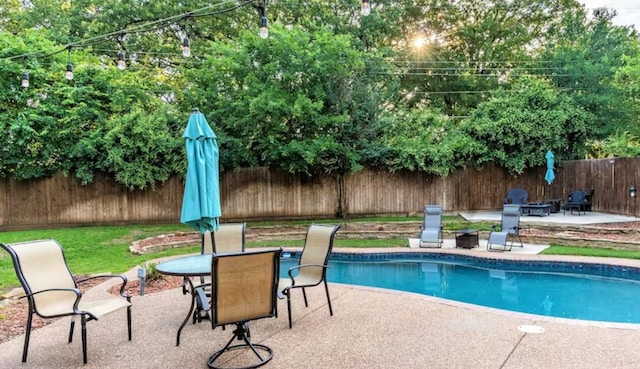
(516, 127)
(85, 126)
(421, 140)
(585, 63)
(284, 101)
(474, 47)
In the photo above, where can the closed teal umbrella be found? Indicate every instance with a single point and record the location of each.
(549, 176)
(201, 199)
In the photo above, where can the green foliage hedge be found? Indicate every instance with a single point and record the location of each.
(328, 93)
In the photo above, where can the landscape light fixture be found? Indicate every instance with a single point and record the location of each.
(366, 8)
(142, 275)
(122, 65)
(25, 80)
(633, 191)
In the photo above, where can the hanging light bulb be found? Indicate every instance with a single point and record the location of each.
(186, 47)
(366, 8)
(25, 80)
(122, 65)
(69, 74)
(264, 29)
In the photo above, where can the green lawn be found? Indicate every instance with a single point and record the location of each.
(591, 251)
(106, 249)
(92, 249)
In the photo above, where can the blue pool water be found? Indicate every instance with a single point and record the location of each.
(567, 290)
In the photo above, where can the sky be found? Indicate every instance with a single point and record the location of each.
(628, 10)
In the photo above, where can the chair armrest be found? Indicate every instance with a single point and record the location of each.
(74, 290)
(122, 286)
(124, 279)
(298, 267)
(202, 301)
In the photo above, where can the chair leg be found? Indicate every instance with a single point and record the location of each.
(83, 320)
(242, 333)
(27, 335)
(129, 321)
(513, 241)
(326, 288)
(73, 324)
(288, 293)
(304, 293)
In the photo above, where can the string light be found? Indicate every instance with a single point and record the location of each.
(149, 27)
(264, 29)
(366, 8)
(186, 47)
(25, 80)
(69, 74)
(262, 12)
(122, 65)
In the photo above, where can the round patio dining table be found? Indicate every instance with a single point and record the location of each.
(187, 267)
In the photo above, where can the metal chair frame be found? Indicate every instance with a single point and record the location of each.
(254, 276)
(45, 277)
(431, 228)
(509, 228)
(312, 268)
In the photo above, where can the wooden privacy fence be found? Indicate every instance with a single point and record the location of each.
(261, 193)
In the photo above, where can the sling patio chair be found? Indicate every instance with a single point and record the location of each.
(431, 227)
(502, 240)
(244, 288)
(312, 267)
(229, 238)
(53, 292)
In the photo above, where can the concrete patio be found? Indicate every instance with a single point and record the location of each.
(587, 218)
(371, 328)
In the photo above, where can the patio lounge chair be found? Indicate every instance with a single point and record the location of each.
(431, 227)
(53, 292)
(312, 268)
(517, 196)
(229, 238)
(244, 288)
(502, 240)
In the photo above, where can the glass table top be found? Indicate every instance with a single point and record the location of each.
(195, 265)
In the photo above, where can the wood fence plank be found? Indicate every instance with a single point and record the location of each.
(261, 193)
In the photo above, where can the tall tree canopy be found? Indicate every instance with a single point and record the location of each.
(421, 85)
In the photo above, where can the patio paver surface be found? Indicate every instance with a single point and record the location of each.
(371, 328)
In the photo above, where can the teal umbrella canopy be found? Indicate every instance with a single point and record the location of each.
(549, 176)
(201, 199)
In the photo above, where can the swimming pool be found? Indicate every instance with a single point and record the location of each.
(597, 292)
